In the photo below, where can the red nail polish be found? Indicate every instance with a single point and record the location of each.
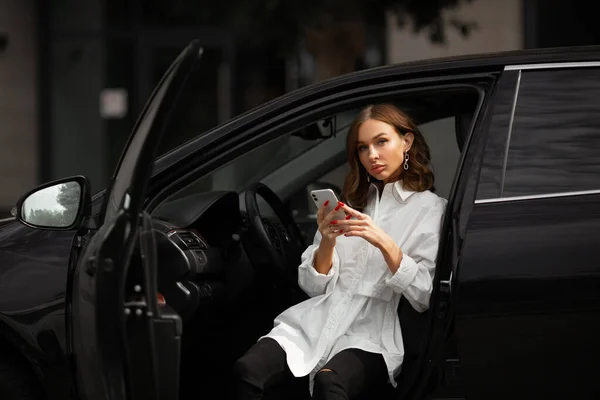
(341, 230)
(340, 203)
(327, 202)
(348, 216)
(333, 222)
(337, 207)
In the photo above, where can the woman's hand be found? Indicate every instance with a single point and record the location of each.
(328, 231)
(361, 225)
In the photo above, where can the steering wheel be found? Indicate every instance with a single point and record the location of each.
(283, 247)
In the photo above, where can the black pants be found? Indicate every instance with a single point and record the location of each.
(343, 377)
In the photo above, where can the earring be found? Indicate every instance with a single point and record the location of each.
(406, 158)
(368, 178)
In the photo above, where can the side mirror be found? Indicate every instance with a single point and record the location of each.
(59, 205)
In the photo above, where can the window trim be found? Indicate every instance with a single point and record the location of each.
(538, 196)
(580, 64)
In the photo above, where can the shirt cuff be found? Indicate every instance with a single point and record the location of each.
(312, 269)
(404, 275)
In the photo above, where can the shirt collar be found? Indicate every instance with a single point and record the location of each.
(398, 187)
(402, 192)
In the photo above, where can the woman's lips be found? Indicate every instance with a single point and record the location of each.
(378, 169)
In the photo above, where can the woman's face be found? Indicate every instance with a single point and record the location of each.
(381, 149)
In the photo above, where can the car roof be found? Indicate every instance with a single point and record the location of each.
(500, 59)
(493, 61)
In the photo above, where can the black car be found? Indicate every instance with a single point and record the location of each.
(153, 287)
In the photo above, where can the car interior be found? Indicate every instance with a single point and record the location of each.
(229, 244)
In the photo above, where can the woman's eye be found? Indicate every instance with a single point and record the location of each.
(382, 141)
(362, 148)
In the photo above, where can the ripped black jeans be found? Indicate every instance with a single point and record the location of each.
(343, 377)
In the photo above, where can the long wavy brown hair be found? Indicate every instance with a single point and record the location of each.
(418, 177)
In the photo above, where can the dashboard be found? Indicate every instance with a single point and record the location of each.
(198, 240)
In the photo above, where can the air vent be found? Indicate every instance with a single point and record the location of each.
(192, 241)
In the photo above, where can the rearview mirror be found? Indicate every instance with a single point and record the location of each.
(58, 205)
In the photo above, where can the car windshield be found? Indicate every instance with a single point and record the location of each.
(255, 165)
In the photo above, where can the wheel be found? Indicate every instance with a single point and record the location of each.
(17, 382)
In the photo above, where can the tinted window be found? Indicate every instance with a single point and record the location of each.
(490, 179)
(555, 140)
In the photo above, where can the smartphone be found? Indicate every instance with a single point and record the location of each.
(320, 196)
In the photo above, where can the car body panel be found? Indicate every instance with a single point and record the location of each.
(527, 301)
(528, 306)
(33, 280)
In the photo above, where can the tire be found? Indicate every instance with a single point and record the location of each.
(17, 382)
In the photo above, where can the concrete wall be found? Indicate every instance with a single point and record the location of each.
(500, 27)
(18, 101)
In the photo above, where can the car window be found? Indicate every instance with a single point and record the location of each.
(555, 134)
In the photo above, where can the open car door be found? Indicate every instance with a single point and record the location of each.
(125, 345)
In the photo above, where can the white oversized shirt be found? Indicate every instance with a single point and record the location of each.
(355, 304)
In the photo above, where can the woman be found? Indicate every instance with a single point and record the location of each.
(347, 335)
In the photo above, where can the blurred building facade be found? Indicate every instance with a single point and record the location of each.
(74, 74)
(19, 108)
